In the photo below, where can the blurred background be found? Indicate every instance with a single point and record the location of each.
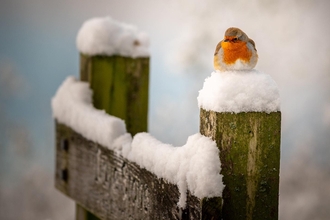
(38, 51)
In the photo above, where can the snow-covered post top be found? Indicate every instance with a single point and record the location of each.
(240, 110)
(114, 59)
(105, 36)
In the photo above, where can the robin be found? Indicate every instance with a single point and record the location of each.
(235, 52)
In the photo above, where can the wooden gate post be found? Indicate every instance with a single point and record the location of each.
(120, 87)
(249, 145)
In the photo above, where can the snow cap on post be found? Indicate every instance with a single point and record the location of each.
(105, 36)
(239, 91)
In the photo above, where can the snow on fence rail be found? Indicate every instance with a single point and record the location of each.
(110, 166)
(72, 106)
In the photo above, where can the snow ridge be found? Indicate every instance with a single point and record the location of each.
(72, 106)
(194, 166)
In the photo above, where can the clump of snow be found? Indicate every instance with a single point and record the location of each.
(105, 36)
(239, 91)
(195, 166)
(122, 145)
(72, 106)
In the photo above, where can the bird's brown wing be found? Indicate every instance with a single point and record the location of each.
(217, 48)
(252, 42)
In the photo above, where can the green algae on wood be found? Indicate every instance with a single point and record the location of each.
(120, 87)
(249, 145)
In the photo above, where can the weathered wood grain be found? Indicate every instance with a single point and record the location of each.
(249, 145)
(110, 186)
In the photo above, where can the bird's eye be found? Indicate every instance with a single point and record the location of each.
(235, 39)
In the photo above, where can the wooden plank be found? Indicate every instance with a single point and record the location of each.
(249, 145)
(110, 186)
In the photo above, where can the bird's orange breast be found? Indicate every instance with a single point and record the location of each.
(235, 50)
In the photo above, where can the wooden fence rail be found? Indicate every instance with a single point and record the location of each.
(107, 186)
(103, 183)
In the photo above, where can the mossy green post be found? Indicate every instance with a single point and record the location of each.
(249, 145)
(120, 87)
